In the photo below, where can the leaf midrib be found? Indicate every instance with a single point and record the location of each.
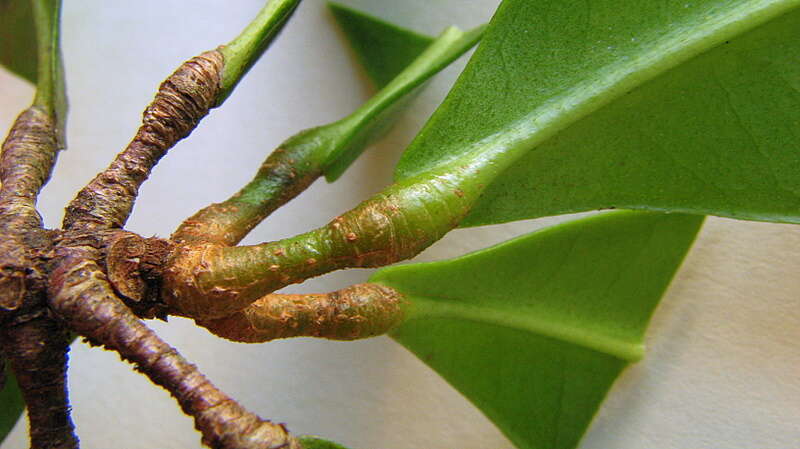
(425, 307)
(581, 100)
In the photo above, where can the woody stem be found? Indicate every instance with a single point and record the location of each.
(37, 351)
(81, 295)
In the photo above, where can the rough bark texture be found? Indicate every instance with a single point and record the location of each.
(358, 311)
(210, 281)
(97, 280)
(54, 282)
(181, 102)
(34, 344)
(80, 294)
(134, 268)
(28, 156)
(37, 350)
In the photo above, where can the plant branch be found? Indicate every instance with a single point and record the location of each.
(286, 173)
(80, 294)
(212, 281)
(327, 149)
(37, 351)
(182, 101)
(356, 312)
(28, 155)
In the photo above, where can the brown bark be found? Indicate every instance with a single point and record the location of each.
(37, 351)
(80, 294)
(356, 312)
(53, 282)
(97, 280)
(34, 344)
(181, 102)
(28, 156)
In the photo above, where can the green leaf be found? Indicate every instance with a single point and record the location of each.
(11, 405)
(343, 141)
(384, 49)
(309, 442)
(682, 106)
(535, 331)
(18, 38)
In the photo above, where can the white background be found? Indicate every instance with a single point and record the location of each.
(723, 367)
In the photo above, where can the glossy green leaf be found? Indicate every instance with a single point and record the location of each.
(11, 405)
(682, 106)
(535, 331)
(317, 443)
(18, 38)
(343, 141)
(384, 49)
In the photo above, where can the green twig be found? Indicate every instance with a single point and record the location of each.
(241, 53)
(50, 85)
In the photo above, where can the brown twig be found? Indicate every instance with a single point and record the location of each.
(35, 345)
(80, 294)
(37, 352)
(356, 312)
(28, 155)
(182, 101)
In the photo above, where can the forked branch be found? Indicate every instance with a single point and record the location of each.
(77, 278)
(210, 281)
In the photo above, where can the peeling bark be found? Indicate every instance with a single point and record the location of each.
(43, 273)
(96, 279)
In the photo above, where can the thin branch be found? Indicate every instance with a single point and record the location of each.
(211, 281)
(181, 102)
(80, 294)
(28, 155)
(37, 351)
(202, 83)
(356, 312)
(286, 173)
